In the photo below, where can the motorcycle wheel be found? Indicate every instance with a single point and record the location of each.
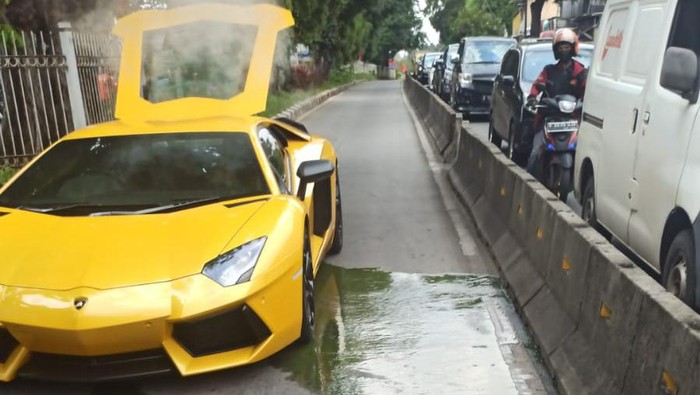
(564, 184)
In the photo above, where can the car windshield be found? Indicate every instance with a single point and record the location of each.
(138, 172)
(483, 51)
(430, 58)
(536, 60)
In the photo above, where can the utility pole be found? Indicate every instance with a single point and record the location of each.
(524, 18)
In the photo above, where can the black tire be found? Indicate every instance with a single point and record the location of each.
(678, 275)
(494, 138)
(308, 317)
(516, 156)
(337, 244)
(564, 186)
(588, 207)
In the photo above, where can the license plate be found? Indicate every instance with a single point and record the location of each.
(561, 126)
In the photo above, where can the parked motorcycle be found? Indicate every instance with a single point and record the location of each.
(561, 120)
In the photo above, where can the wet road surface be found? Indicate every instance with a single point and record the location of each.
(411, 305)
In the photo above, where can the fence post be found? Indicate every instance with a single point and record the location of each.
(75, 94)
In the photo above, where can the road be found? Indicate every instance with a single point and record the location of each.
(413, 303)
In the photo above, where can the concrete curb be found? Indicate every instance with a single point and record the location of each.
(297, 110)
(602, 324)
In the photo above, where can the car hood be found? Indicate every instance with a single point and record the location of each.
(61, 253)
(251, 61)
(487, 70)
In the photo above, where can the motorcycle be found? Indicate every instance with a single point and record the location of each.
(561, 120)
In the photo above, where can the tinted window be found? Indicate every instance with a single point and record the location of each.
(485, 51)
(274, 152)
(510, 64)
(536, 60)
(140, 170)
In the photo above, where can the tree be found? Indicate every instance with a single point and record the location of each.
(454, 19)
(535, 17)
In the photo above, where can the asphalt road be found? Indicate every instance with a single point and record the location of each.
(411, 305)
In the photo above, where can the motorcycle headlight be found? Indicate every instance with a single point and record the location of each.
(465, 79)
(567, 106)
(236, 266)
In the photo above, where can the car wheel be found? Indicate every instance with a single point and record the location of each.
(308, 318)
(679, 271)
(588, 207)
(337, 244)
(516, 156)
(493, 137)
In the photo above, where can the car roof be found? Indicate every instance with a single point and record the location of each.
(527, 46)
(130, 105)
(487, 38)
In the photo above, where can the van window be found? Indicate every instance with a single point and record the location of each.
(611, 57)
(642, 44)
(685, 32)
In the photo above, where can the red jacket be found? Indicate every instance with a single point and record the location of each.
(562, 80)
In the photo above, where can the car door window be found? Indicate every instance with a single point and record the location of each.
(277, 158)
(510, 64)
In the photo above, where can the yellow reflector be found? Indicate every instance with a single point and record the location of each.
(605, 311)
(565, 264)
(670, 385)
(540, 233)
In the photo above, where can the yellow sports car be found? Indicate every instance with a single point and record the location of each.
(184, 236)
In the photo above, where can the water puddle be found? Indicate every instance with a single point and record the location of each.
(379, 332)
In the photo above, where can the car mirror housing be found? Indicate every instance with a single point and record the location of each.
(313, 171)
(679, 72)
(508, 80)
(454, 59)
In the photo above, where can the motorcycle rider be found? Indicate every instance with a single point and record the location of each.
(567, 76)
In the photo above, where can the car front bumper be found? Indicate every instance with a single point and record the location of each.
(191, 325)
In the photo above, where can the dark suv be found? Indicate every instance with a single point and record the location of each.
(521, 66)
(476, 63)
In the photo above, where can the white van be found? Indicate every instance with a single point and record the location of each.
(637, 171)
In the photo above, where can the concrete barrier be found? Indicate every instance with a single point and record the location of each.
(602, 324)
(299, 109)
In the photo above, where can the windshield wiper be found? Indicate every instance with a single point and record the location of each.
(484, 62)
(167, 207)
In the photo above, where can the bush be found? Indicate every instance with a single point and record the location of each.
(281, 101)
(6, 173)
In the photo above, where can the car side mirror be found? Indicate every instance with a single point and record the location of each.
(454, 58)
(313, 171)
(508, 80)
(679, 72)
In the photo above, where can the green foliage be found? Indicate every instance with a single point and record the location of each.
(281, 101)
(455, 19)
(6, 173)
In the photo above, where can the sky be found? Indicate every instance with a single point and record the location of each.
(433, 36)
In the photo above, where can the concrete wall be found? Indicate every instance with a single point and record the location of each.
(602, 324)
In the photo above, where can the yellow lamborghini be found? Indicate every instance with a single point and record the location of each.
(186, 235)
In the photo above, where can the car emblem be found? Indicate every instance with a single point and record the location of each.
(79, 303)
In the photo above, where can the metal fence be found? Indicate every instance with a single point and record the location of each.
(98, 64)
(52, 85)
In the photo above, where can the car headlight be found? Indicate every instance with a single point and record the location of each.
(236, 266)
(465, 79)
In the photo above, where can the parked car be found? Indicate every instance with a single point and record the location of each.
(638, 161)
(509, 118)
(438, 70)
(446, 76)
(184, 236)
(425, 68)
(476, 63)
